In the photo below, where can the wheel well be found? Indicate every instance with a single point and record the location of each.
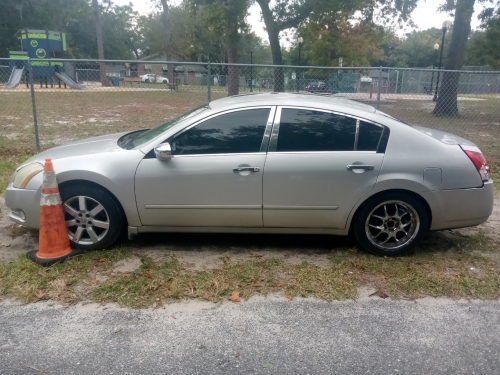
(69, 183)
(415, 195)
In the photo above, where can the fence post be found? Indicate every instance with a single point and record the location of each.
(379, 87)
(33, 105)
(402, 81)
(209, 82)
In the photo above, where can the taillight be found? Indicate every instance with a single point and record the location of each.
(480, 163)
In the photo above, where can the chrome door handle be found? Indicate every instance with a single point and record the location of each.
(362, 166)
(246, 169)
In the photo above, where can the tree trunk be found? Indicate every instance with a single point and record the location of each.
(233, 83)
(165, 18)
(232, 72)
(100, 46)
(279, 77)
(274, 40)
(447, 100)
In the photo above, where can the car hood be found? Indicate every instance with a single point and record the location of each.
(447, 138)
(96, 145)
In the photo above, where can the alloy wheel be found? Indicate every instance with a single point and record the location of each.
(392, 225)
(87, 220)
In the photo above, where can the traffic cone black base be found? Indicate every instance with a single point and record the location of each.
(47, 262)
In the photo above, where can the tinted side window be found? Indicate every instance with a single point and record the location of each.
(307, 130)
(235, 132)
(369, 136)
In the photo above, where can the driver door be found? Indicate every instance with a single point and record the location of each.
(214, 177)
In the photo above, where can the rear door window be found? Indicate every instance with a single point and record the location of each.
(305, 130)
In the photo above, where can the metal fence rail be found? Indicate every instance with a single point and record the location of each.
(49, 102)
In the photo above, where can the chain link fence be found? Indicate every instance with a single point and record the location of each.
(46, 102)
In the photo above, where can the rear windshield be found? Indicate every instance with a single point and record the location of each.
(391, 117)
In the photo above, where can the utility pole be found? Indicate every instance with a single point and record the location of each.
(167, 35)
(100, 47)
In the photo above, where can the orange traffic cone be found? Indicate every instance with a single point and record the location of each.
(53, 243)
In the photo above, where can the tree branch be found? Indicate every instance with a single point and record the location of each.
(303, 13)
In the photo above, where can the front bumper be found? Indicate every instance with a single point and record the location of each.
(24, 205)
(460, 208)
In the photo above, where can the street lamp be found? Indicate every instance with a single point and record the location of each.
(446, 26)
(300, 40)
(434, 58)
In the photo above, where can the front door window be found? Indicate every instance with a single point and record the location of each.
(230, 133)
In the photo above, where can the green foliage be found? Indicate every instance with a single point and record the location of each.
(358, 45)
(415, 50)
(76, 19)
(492, 45)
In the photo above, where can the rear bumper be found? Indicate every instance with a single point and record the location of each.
(460, 208)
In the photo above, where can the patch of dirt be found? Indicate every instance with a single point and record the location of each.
(206, 258)
(127, 265)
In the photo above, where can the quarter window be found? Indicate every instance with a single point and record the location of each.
(308, 130)
(234, 132)
(368, 137)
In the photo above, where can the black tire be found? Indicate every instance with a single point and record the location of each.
(165, 81)
(82, 220)
(391, 224)
(146, 80)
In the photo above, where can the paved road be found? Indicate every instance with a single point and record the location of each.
(262, 336)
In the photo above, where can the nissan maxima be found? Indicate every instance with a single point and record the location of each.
(265, 163)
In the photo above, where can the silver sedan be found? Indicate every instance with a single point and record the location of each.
(267, 163)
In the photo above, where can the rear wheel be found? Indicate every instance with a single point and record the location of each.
(93, 218)
(391, 224)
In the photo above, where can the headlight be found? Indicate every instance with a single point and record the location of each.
(25, 174)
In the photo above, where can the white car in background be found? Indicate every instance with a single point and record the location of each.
(153, 78)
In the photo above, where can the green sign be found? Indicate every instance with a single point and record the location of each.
(37, 36)
(34, 43)
(40, 53)
(46, 63)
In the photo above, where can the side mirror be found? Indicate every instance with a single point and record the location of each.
(163, 152)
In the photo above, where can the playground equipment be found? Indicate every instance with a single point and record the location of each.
(40, 44)
(68, 81)
(15, 78)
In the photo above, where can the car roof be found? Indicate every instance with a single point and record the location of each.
(295, 99)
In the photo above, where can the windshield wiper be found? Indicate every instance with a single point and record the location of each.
(126, 140)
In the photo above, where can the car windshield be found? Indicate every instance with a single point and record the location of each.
(142, 138)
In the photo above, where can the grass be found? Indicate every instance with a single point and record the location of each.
(457, 267)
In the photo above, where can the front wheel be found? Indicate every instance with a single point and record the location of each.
(93, 218)
(391, 224)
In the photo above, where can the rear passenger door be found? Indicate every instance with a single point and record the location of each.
(319, 164)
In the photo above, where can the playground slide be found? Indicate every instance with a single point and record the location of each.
(67, 80)
(14, 79)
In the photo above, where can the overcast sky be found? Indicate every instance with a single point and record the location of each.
(425, 15)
